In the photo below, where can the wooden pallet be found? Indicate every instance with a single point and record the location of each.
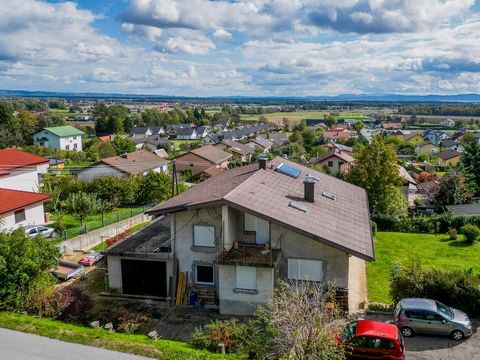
(207, 296)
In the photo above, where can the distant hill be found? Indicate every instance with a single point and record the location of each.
(343, 97)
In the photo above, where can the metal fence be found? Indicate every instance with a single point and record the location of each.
(104, 221)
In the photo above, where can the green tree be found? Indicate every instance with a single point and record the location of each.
(22, 259)
(81, 205)
(296, 137)
(7, 120)
(358, 125)
(471, 160)
(309, 139)
(453, 189)
(123, 145)
(330, 120)
(154, 187)
(376, 170)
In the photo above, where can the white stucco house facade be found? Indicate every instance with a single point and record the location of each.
(66, 138)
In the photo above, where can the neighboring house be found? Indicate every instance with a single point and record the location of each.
(135, 163)
(414, 138)
(241, 151)
(150, 142)
(60, 137)
(429, 190)
(157, 130)
(56, 164)
(464, 209)
(434, 136)
(333, 160)
(20, 208)
(449, 157)
(426, 148)
(448, 122)
(84, 117)
(260, 143)
(278, 139)
(338, 133)
(199, 160)
(20, 170)
(211, 139)
(409, 184)
(186, 134)
(161, 152)
(141, 132)
(343, 148)
(202, 131)
(106, 138)
(452, 145)
(240, 232)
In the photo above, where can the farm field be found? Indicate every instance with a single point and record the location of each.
(297, 116)
(432, 250)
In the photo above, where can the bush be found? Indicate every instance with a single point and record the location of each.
(458, 288)
(43, 300)
(77, 304)
(231, 333)
(471, 232)
(452, 233)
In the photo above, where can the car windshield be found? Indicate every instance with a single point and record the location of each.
(349, 331)
(444, 310)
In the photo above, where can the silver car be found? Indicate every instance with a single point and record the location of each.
(36, 230)
(425, 316)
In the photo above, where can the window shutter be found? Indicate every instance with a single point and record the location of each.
(204, 235)
(303, 269)
(246, 277)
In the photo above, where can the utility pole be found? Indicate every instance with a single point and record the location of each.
(174, 176)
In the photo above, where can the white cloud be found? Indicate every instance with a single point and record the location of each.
(223, 35)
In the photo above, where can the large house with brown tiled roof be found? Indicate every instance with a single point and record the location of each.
(201, 159)
(333, 160)
(449, 157)
(235, 235)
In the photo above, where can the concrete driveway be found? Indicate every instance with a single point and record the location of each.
(16, 345)
(424, 347)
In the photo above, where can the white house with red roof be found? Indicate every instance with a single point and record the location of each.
(20, 202)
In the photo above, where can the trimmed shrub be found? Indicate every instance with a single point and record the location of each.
(457, 288)
(452, 233)
(471, 232)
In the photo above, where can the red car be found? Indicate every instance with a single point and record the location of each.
(366, 339)
(91, 259)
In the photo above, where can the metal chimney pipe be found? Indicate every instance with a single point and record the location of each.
(309, 189)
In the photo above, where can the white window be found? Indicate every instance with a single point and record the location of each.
(204, 274)
(302, 269)
(203, 235)
(246, 277)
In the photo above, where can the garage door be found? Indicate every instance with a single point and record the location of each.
(144, 277)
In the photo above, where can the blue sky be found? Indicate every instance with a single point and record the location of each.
(242, 47)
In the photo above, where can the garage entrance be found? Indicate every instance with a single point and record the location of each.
(144, 277)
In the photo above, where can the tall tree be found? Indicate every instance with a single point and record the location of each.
(471, 160)
(453, 189)
(376, 170)
(81, 205)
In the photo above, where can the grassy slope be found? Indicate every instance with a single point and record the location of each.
(436, 251)
(135, 344)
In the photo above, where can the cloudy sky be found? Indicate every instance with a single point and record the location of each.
(242, 47)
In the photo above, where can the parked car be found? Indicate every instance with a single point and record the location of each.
(368, 339)
(425, 316)
(91, 259)
(35, 230)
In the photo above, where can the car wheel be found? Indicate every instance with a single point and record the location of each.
(407, 332)
(457, 335)
(53, 234)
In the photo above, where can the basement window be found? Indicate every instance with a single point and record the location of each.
(204, 275)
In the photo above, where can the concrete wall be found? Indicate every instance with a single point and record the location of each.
(25, 180)
(237, 302)
(34, 215)
(98, 170)
(87, 241)
(187, 254)
(115, 272)
(294, 245)
(357, 284)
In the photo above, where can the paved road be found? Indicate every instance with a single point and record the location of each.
(424, 347)
(16, 345)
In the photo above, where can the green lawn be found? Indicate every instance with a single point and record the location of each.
(436, 251)
(135, 344)
(59, 111)
(93, 222)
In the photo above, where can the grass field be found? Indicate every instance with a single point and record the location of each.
(436, 251)
(297, 116)
(59, 111)
(134, 344)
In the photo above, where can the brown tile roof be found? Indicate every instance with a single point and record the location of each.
(335, 153)
(343, 223)
(135, 163)
(238, 148)
(211, 153)
(429, 188)
(212, 171)
(449, 154)
(337, 133)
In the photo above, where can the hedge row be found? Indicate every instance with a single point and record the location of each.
(423, 224)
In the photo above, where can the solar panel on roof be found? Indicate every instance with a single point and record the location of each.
(288, 170)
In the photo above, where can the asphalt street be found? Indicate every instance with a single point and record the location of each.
(16, 345)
